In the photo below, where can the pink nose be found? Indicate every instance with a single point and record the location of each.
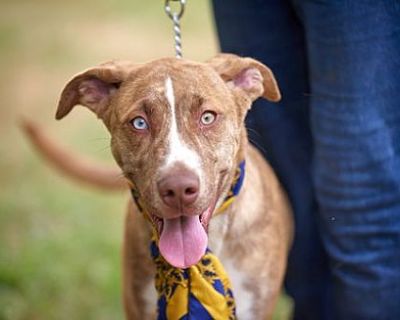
(179, 189)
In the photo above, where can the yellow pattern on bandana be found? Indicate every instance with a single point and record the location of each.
(200, 292)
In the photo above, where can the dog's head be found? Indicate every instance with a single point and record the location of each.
(177, 132)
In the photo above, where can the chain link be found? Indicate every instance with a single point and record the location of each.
(175, 17)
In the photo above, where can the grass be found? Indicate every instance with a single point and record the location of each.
(59, 242)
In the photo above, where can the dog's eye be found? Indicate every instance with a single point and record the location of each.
(208, 118)
(139, 123)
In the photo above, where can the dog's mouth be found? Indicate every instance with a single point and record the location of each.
(183, 240)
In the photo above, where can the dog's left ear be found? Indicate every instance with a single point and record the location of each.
(252, 77)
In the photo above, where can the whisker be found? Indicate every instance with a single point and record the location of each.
(98, 139)
(258, 146)
(104, 149)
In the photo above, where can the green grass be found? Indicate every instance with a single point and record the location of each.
(60, 242)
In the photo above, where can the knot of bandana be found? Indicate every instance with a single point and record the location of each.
(200, 292)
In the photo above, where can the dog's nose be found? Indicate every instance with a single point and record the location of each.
(179, 189)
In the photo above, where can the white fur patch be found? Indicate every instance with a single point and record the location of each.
(243, 297)
(177, 150)
(217, 229)
(150, 298)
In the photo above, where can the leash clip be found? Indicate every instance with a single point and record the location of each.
(176, 16)
(169, 11)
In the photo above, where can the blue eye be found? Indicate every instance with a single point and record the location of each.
(139, 123)
(208, 118)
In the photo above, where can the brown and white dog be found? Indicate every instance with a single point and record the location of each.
(177, 133)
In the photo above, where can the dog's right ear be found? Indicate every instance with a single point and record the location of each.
(94, 88)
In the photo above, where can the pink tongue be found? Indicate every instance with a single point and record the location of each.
(183, 241)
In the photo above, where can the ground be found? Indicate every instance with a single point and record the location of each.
(60, 242)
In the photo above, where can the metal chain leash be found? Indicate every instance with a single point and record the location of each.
(176, 17)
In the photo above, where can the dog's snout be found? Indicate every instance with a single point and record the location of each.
(179, 189)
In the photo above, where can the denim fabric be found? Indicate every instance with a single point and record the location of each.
(334, 140)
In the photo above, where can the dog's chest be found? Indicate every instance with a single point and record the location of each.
(149, 295)
(242, 288)
(243, 296)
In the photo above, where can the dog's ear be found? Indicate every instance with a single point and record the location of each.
(249, 75)
(94, 88)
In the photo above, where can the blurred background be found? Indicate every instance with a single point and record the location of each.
(59, 241)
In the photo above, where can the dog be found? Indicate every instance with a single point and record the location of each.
(178, 135)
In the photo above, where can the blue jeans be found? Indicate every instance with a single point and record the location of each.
(334, 140)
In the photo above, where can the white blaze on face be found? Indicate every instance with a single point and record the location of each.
(177, 150)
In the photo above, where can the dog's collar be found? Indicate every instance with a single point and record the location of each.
(237, 184)
(235, 188)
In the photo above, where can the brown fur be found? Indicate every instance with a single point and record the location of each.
(255, 233)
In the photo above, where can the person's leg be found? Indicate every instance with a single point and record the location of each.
(270, 32)
(354, 59)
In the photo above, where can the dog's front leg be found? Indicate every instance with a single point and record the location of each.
(139, 295)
